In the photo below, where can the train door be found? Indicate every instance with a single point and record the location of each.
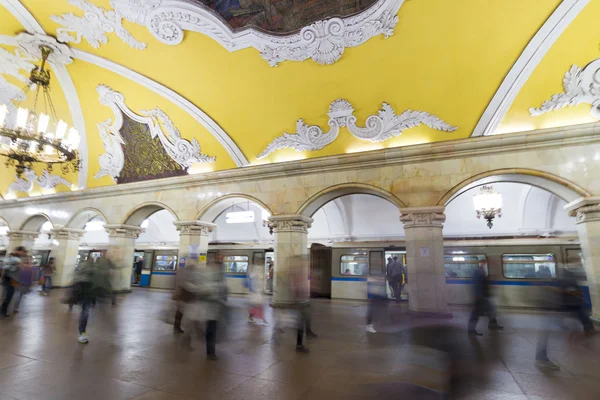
(376, 282)
(164, 269)
(390, 254)
(39, 258)
(320, 270)
(137, 268)
(269, 271)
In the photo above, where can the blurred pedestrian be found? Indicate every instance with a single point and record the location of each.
(139, 264)
(25, 281)
(483, 303)
(10, 277)
(270, 274)
(256, 303)
(376, 295)
(300, 292)
(209, 296)
(47, 270)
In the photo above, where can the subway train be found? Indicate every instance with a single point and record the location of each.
(518, 273)
(518, 270)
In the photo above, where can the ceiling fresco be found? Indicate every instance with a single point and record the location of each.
(283, 16)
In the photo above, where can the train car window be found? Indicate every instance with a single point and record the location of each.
(236, 264)
(575, 267)
(165, 263)
(354, 264)
(464, 265)
(529, 266)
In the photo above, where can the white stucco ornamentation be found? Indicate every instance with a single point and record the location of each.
(17, 65)
(95, 24)
(183, 152)
(382, 126)
(581, 85)
(61, 53)
(322, 41)
(45, 181)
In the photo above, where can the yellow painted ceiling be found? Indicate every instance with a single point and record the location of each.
(447, 58)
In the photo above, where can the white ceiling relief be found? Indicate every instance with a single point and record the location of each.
(581, 85)
(15, 64)
(183, 152)
(322, 41)
(45, 181)
(379, 127)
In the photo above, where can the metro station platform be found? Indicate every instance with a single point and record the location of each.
(134, 354)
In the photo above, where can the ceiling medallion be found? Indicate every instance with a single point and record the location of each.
(580, 85)
(29, 136)
(385, 125)
(322, 41)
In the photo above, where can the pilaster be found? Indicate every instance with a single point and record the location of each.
(291, 257)
(586, 211)
(425, 260)
(65, 254)
(121, 246)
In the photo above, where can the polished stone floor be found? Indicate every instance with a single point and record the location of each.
(133, 354)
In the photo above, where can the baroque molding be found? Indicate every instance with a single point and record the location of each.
(22, 235)
(290, 223)
(124, 231)
(527, 62)
(322, 41)
(422, 217)
(17, 65)
(585, 209)
(194, 228)
(67, 233)
(382, 126)
(183, 152)
(31, 42)
(580, 85)
(45, 181)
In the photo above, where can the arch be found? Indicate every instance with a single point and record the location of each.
(35, 222)
(83, 216)
(561, 187)
(143, 211)
(318, 200)
(4, 222)
(213, 209)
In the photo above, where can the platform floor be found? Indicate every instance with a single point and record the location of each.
(133, 354)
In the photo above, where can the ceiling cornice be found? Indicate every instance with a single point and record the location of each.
(522, 69)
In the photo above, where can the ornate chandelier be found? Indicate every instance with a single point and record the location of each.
(29, 136)
(488, 204)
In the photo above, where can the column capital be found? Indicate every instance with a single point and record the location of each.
(124, 231)
(67, 233)
(290, 223)
(194, 228)
(22, 235)
(421, 217)
(584, 209)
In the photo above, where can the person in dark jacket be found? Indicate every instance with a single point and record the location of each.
(10, 277)
(483, 303)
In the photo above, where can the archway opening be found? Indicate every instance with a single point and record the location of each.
(4, 229)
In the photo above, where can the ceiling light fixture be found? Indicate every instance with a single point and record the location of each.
(488, 204)
(30, 136)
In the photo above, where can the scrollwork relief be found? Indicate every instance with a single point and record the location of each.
(322, 41)
(291, 225)
(183, 152)
(425, 219)
(382, 126)
(45, 181)
(580, 85)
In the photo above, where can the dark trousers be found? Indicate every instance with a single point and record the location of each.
(86, 303)
(178, 318)
(375, 307)
(211, 337)
(9, 291)
(397, 287)
(483, 306)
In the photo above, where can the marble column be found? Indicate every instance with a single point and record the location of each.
(20, 238)
(194, 235)
(425, 260)
(65, 255)
(121, 246)
(291, 256)
(586, 211)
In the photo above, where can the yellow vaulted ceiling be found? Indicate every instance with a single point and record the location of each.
(447, 58)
